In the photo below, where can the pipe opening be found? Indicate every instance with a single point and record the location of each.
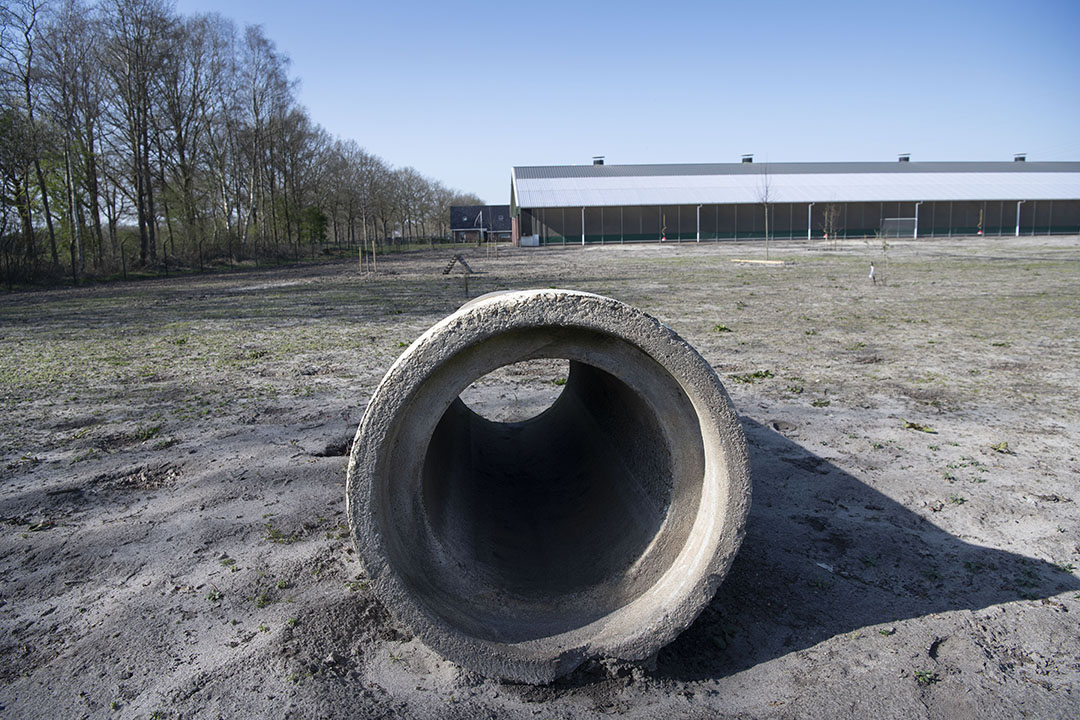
(519, 391)
(541, 526)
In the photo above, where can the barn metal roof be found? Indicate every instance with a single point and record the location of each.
(613, 185)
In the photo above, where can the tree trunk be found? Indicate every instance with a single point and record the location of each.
(48, 215)
(170, 239)
(766, 231)
(151, 220)
(92, 191)
(73, 220)
(27, 220)
(140, 206)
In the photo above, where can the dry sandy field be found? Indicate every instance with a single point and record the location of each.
(173, 541)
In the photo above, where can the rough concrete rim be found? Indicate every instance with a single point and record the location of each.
(649, 621)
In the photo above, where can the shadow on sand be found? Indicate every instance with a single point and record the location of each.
(884, 564)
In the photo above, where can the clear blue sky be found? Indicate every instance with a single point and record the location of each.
(462, 91)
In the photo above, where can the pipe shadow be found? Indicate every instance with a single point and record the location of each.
(826, 554)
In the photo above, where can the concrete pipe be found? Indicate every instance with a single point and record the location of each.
(598, 529)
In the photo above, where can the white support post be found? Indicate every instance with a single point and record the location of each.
(582, 226)
(1018, 203)
(917, 219)
(809, 216)
(699, 223)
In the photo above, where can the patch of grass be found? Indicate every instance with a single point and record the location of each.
(1066, 567)
(887, 631)
(228, 562)
(263, 628)
(752, 377)
(966, 462)
(276, 535)
(926, 677)
(1003, 448)
(1029, 579)
(957, 499)
(794, 389)
(341, 532)
(909, 425)
(354, 585)
(263, 599)
(721, 328)
(559, 381)
(30, 460)
(84, 456)
(821, 402)
(144, 433)
(282, 585)
(214, 595)
(722, 636)
(292, 622)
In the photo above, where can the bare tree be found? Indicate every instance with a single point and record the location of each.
(267, 95)
(765, 193)
(137, 35)
(830, 222)
(185, 84)
(67, 50)
(73, 87)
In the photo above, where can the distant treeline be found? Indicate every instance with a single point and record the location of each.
(132, 136)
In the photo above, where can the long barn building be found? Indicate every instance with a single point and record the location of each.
(601, 203)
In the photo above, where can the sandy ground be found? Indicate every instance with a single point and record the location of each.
(172, 469)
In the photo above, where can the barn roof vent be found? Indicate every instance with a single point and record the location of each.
(748, 158)
(1020, 157)
(904, 157)
(598, 160)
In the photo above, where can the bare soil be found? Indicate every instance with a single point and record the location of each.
(172, 469)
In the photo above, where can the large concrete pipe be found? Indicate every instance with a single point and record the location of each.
(598, 529)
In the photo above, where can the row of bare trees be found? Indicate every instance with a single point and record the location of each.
(131, 136)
